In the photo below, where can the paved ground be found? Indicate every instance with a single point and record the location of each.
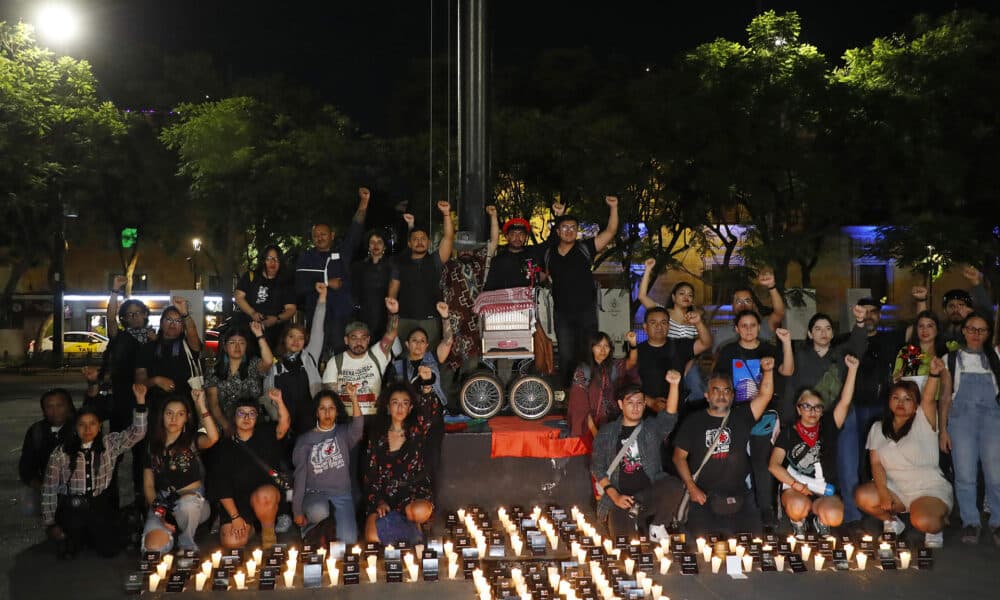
(30, 570)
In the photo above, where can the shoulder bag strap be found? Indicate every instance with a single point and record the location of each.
(712, 447)
(621, 453)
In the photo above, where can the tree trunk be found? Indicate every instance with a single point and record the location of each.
(130, 271)
(17, 271)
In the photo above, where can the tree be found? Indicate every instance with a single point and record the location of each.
(53, 133)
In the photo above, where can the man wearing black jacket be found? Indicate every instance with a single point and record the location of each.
(41, 438)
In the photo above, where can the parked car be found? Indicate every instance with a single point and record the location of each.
(74, 342)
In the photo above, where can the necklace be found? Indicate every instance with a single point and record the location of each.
(320, 429)
(397, 431)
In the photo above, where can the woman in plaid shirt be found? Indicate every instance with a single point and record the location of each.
(76, 498)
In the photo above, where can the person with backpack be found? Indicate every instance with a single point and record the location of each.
(362, 364)
(569, 262)
(970, 419)
(592, 401)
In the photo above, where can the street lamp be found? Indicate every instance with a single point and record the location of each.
(196, 244)
(58, 23)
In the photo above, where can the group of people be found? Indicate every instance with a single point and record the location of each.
(782, 427)
(325, 405)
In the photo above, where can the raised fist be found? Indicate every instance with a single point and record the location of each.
(851, 361)
(558, 209)
(274, 394)
(257, 328)
(673, 377)
(445, 207)
(783, 334)
(442, 308)
(139, 390)
(181, 303)
(491, 210)
(766, 279)
(392, 305)
(611, 201)
(119, 282)
(424, 372)
(972, 275)
(410, 219)
(650, 263)
(90, 374)
(321, 289)
(919, 293)
(767, 364)
(937, 365)
(630, 337)
(364, 194)
(693, 317)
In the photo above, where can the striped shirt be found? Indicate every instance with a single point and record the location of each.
(88, 474)
(681, 330)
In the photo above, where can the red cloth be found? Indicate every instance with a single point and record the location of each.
(515, 297)
(515, 437)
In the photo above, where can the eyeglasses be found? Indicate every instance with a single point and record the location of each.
(568, 227)
(246, 414)
(977, 330)
(271, 259)
(174, 321)
(816, 408)
(743, 301)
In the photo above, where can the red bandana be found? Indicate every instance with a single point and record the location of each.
(809, 435)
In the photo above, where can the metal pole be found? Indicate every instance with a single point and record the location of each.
(58, 283)
(474, 48)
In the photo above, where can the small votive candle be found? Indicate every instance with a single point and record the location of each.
(805, 551)
(657, 591)
(517, 545)
(862, 559)
(554, 580)
(356, 550)
(716, 563)
(884, 546)
(658, 552)
(258, 556)
(452, 569)
(629, 565)
(206, 567)
(792, 540)
(904, 559)
(408, 558)
(293, 555)
(818, 561)
(412, 568)
(701, 543)
(608, 545)
(169, 561)
(154, 581)
(849, 550)
(461, 514)
(332, 571)
(779, 562)
(199, 581)
(740, 551)
(161, 570)
(732, 545)
(372, 561)
(372, 574)
(449, 547)
(747, 563)
(706, 552)
(289, 577)
(241, 579)
(647, 585)
(563, 587)
(664, 565)
(216, 559)
(251, 568)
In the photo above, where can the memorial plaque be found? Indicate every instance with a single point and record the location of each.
(220, 580)
(312, 575)
(767, 563)
(689, 564)
(135, 582)
(925, 559)
(176, 581)
(394, 571)
(797, 564)
(840, 561)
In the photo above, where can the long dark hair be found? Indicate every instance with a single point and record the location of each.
(337, 402)
(887, 417)
(940, 349)
(262, 257)
(72, 446)
(158, 433)
(592, 340)
(222, 364)
(382, 418)
(680, 284)
(991, 355)
(281, 350)
(175, 345)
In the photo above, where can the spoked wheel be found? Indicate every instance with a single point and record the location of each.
(481, 396)
(530, 397)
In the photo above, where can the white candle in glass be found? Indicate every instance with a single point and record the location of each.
(904, 559)
(449, 547)
(356, 550)
(706, 552)
(701, 543)
(154, 581)
(413, 568)
(779, 562)
(199, 581)
(161, 570)
(664, 565)
(206, 568)
(216, 559)
(292, 565)
(658, 552)
(169, 561)
(819, 560)
(293, 554)
(452, 569)
(862, 559)
(372, 559)
(747, 563)
(849, 550)
(516, 544)
(554, 579)
(258, 556)
(657, 591)
(332, 570)
(289, 577)
(240, 578)
(740, 551)
(716, 563)
(732, 545)
(372, 574)
(251, 568)
(806, 551)
(791, 542)
(629, 565)
(647, 585)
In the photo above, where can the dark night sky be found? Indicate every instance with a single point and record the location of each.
(356, 54)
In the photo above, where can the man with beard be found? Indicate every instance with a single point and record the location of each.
(416, 278)
(959, 304)
(360, 364)
(461, 281)
(513, 267)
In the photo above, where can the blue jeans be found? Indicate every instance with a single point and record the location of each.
(851, 452)
(973, 423)
(190, 510)
(316, 506)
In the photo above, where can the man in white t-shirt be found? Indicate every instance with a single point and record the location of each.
(361, 364)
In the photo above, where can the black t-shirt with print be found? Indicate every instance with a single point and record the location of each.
(176, 468)
(802, 458)
(726, 471)
(743, 365)
(572, 281)
(266, 296)
(631, 476)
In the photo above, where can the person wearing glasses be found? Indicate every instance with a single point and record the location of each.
(906, 474)
(167, 364)
(809, 450)
(745, 299)
(568, 262)
(245, 473)
(238, 373)
(970, 419)
(266, 294)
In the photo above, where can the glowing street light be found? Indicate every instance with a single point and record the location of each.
(58, 23)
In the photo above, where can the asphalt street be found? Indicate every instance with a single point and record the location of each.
(30, 569)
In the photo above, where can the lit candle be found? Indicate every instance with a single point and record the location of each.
(904, 559)
(412, 568)
(322, 553)
(292, 565)
(647, 585)
(640, 577)
(779, 562)
(161, 570)
(516, 544)
(154, 580)
(553, 579)
(716, 563)
(206, 567)
(706, 552)
(251, 568)
(452, 569)
(289, 576)
(554, 541)
(581, 556)
(747, 563)
(418, 550)
(293, 554)
(258, 556)
(664, 565)
(356, 550)
(629, 565)
(849, 550)
(766, 548)
(884, 546)
(866, 538)
(657, 591)
(791, 542)
(461, 514)
(372, 559)
(169, 561)
(240, 578)
(408, 558)
(372, 574)
(574, 548)
(740, 551)
(818, 560)
(732, 545)
(806, 551)
(563, 587)
(199, 581)
(332, 570)
(701, 543)
(515, 574)
(833, 540)
(485, 594)
(862, 559)
(216, 558)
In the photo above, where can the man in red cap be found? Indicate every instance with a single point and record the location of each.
(512, 267)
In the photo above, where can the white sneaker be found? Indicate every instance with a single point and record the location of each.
(283, 524)
(657, 533)
(893, 525)
(934, 540)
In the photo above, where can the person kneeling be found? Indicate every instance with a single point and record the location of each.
(245, 476)
(322, 459)
(396, 479)
(626, 464)
(805, 458)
